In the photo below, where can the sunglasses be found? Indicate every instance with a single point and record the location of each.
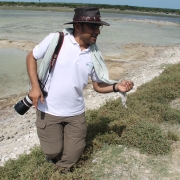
(94, 27)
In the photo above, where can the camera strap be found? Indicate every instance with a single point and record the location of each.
(56, 51)
(54, 57)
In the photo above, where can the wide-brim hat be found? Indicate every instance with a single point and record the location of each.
(88, 15)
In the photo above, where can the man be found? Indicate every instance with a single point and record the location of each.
(61, 124)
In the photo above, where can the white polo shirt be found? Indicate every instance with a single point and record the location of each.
(68, 78)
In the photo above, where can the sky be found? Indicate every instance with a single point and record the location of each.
(172, 4)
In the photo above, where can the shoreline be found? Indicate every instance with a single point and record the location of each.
(68, 9)
(132, 57)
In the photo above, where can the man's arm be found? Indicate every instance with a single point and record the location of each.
(35, 92)
(123, 86)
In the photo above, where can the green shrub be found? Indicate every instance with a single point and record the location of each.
(172, 136)
(147, 137)
(107, 138)
(171, 115)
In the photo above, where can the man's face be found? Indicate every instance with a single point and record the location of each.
(89, 32)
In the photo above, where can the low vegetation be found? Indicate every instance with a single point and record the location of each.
(102, 6)
(138, 127)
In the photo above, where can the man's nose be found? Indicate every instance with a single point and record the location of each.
(97, 31)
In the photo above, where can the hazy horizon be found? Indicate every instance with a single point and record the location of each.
(169, 4)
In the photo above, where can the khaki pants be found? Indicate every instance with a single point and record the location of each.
(62, 137)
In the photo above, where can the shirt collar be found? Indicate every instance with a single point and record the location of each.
(71, 37)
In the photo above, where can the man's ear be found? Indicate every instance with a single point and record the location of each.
(77, 27)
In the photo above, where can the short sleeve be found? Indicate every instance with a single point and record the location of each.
(40, 49)
(94, 76)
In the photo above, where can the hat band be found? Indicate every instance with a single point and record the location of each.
(87, 19)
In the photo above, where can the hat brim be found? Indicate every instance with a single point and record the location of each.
(92, 22)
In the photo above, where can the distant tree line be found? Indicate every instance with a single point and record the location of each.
(105, 6)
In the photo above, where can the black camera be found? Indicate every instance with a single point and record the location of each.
(23, 106)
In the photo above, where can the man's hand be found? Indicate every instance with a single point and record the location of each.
(36, 94)
(124, 86)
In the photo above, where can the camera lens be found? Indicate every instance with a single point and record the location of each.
(23, 106)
